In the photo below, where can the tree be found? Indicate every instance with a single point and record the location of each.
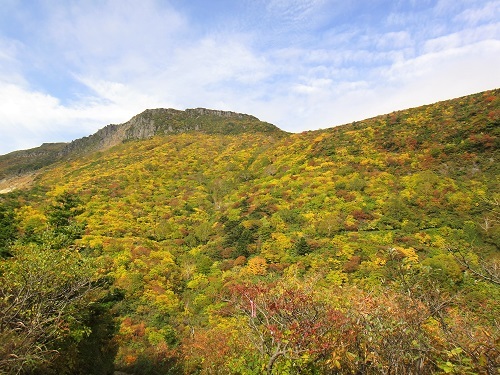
(483, 270)
(441, 318)
(302, 247)
(61, 217)
(44, 296)
(58, 228)
(64, 210)
(290, 324)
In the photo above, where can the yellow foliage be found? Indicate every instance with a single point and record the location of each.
(30, 218)
(257, 266)
(278, 223)
(408, 253)
(379, 261)
(271, 252)
(336, 277)
(199, 281)
(310, 216)
(166, 302)
(153, 336)
(281, 241)
(439, 242)
(423, 238)
(460, 201)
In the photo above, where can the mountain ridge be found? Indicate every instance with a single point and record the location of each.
(149, 123)
(165, 121)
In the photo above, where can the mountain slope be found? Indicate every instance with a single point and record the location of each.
(20, 162)
(382, 228)
(145, 125)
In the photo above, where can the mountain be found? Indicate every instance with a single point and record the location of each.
(152, 122)
(220, 244)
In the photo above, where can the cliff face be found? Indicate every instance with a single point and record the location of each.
(104, 138)
(162, 121)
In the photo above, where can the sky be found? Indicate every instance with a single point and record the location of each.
(69, 68)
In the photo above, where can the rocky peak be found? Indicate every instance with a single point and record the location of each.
(164, 121)
(149, 123)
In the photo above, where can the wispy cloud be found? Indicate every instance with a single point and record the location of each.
(114, 37)
(67, 69)
(488, 12)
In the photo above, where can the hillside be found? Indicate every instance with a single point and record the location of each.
(20, 162)
(369, 248)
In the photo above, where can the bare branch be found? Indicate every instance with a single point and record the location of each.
(487, 272)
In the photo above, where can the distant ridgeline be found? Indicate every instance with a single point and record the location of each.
(145, 125)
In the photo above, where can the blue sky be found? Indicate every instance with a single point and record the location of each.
(68, 68)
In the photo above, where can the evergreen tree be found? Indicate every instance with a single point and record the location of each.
(8, 229)
(302, 247)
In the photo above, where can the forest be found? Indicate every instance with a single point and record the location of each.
(367, 248)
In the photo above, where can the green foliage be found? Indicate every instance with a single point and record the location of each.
(44, 297)
(62, 227)
(302, 247)
(8, 229)
(62, 213)
(25, 161)
(353, 223)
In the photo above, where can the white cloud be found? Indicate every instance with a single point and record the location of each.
(29, 117)
(219, 59)
(124, 57)
(416, 81)
(314, 85)
(450, 72)
(438, 76)
(462, 38)
(113, 94)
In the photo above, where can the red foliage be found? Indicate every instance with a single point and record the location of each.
(241, 260)
(353, 264)
(140, 251)
(483, 140)
(361, 215)
(290, 322)
(226, 265)
(347, 195)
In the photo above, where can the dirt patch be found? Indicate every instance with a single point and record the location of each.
(18, 182)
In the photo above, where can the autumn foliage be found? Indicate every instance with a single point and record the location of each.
(368, 248)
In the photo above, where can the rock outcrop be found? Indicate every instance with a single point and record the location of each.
(162, 121)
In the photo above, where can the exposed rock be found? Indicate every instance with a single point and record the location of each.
(17, 182)
(161, 121)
